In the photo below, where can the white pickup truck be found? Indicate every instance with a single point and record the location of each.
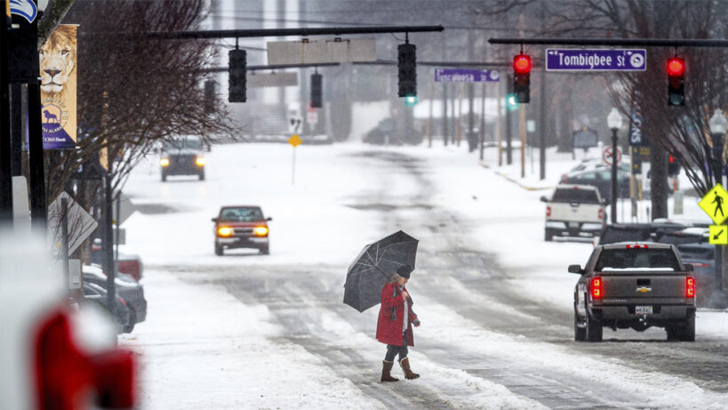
(574, 210)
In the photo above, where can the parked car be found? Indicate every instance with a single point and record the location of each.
(597, 163)
(129, 264)
(241, 227)
(637, 232)
(602, 180)
(183, 156)
(634, 285)
(122, 315)
(694, 247)
(126, 287)
(574, 210)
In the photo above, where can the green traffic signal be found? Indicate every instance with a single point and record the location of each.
(511, 102)
(410, 100)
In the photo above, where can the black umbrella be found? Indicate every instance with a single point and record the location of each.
(370, 270)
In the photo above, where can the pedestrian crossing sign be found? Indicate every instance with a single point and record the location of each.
(718, 235)
(715, 204)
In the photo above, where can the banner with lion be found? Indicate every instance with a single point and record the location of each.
(58, 88)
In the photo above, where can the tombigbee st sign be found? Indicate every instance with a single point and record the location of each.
(596, 60)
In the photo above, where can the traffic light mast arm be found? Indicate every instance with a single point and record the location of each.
(281, 32)
(644, 42)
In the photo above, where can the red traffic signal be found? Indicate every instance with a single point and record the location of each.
(522, 64)
(675, 67)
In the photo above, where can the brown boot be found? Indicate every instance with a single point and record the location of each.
(408, 373)
(386, 369)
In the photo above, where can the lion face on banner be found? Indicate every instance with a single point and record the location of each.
(58, 61)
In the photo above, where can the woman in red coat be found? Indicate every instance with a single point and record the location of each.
(394, 327)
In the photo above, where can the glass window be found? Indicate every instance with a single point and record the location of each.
(245, 214)
(184, 143)
(587, 196)
(637, 258)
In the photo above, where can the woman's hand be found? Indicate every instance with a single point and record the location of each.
(405, 294)
(416, 322)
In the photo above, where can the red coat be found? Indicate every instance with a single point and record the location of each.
(389, 331)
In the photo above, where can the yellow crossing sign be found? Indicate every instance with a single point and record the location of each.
(718, 234)
(715, 204)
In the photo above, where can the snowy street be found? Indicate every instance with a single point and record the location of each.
(251, 331)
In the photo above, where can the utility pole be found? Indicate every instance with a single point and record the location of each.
(6, 187)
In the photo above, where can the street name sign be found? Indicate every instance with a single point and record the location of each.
(596, 60)
(718, 234)
(317, 52)
(465, 75)
(715, 204)
(260, 80)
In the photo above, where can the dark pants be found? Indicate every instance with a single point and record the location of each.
(393, 350)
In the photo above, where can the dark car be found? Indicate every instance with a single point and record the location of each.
(386, 133)
(241, 227)
(600, 178)
(126, 287)
(122, 316)
(694, 248)
(183, 156)
(129, 264)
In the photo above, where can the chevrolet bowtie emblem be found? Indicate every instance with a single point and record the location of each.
(644, 289)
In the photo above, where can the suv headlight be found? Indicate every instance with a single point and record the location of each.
(260, 231)
(224, 231)
(164, 162)
(200, 161)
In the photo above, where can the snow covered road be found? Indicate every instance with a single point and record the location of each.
(258, 332)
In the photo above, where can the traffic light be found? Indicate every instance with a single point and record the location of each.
(673, 167)
(210, 97)
(675, 81)
(522, 78)
(237, 71)
(511, 101)
(316, 88)
(407, 64)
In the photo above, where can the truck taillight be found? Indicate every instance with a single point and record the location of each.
(690, 287)
(596, 288)
(601, 214)
(548, 211)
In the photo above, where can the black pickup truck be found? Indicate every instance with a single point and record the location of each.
(634, 285)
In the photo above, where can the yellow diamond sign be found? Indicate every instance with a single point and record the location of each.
(718, 234)
(715, 204)
(295, 140)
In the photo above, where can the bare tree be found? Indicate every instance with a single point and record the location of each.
(681, 131)
(135, 92)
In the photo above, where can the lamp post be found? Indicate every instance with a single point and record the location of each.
(718, 124)
(614, 120)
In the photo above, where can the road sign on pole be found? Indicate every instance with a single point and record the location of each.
(715, 204)
(80, 224)
(608, 157)
(596, 60)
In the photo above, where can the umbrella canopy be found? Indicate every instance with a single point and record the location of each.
(370, 270)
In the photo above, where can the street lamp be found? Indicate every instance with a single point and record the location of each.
(614, 120)
(718, 124)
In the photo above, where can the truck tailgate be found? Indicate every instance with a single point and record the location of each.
(637, 285)
(574, 211)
